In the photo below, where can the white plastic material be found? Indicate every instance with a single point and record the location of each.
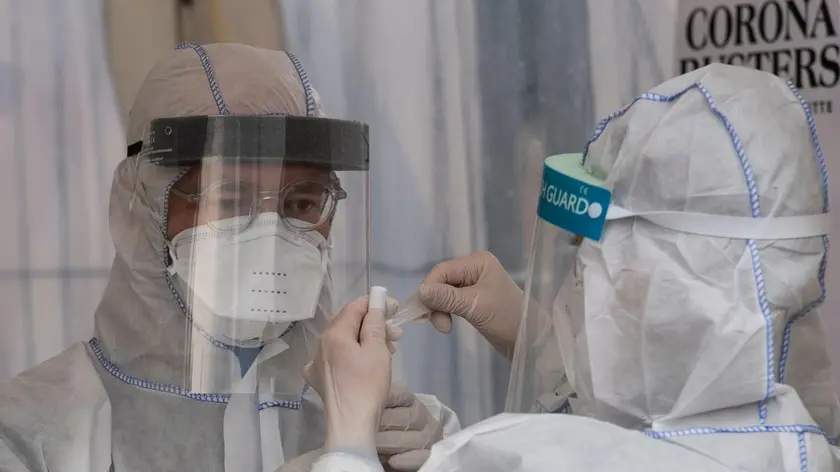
(378, 297)
(733, 227)
(409, 310)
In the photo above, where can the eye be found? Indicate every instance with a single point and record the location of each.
(228, 204)
(224, 203)
(300, 206)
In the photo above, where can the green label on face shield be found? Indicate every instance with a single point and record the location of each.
(571, 198)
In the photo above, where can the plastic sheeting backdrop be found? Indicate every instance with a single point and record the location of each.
(60, 140)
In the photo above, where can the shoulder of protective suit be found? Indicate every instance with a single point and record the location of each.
(48, 407)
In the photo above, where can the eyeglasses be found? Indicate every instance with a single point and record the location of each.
(305, 205)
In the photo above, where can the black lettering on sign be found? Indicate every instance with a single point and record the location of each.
(698, 14)
(745, 15)
(771, 35)
(741, 24)
(829, 57)
(805, 58)
(770, 22)
(821, 107)
(720, 26)
(824, 19)
(799, 17)
(780, 60)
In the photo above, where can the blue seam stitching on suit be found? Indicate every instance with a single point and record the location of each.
(211, 77)
(803, 452)
(821, 274)
(759, 428)
(203, 397)
(305, 82)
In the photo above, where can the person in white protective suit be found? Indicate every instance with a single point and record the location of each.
(239, 219)
(672, 326)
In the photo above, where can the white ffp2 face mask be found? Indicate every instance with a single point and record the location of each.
(249, 286)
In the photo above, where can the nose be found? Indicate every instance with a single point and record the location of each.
(269, 204)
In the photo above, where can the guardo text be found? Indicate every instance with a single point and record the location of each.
(570, 202)
(774, 36)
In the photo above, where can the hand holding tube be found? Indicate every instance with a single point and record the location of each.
(478, 289)
(352, 373)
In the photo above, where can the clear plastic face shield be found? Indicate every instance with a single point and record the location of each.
(250, 208)
(554, 362)
(572, 206)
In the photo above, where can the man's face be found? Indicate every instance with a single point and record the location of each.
(245, 182)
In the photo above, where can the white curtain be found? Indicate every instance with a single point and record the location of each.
(464, 100)
(632, 49)
(60, 140)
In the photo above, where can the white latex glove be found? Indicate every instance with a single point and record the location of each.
(478, 289)
(352, 374)
(406, 431)
(394, 333)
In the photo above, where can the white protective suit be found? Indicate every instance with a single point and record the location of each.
(114, 403)
(696, 353)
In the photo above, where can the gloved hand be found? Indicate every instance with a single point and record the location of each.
(406, 431)
(352, 374)
(478, 289)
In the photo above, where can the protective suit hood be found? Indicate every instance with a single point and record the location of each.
(681, 324)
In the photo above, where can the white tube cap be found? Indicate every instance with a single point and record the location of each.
(378, 297)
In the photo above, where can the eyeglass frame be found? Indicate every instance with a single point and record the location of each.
(334, 186)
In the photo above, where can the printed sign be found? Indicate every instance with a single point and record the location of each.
(794, 39)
